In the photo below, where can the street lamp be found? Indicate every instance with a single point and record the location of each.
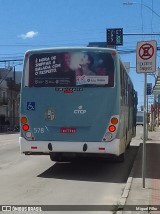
(131, 3)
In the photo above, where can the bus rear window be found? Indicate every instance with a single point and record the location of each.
(71, 69)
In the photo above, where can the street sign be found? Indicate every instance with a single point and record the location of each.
(149, 88)
(146, 56)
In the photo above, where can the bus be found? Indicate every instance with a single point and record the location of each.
(76, 102)
(140, 118)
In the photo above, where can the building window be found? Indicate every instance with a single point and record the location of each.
(3, 96)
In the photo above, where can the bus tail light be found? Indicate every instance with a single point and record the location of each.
(23, 120)
(114, 120)
(25, 127)
(24, 123)
(112, 128)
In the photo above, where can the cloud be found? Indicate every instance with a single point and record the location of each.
(29, 35)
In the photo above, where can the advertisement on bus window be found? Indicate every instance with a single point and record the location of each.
(71, 69)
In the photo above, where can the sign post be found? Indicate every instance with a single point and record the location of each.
(145, 63)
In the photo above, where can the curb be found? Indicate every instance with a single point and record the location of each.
(127, 188)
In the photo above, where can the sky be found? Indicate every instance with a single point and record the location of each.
(32, 24)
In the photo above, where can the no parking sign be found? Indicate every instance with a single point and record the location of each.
(146, 56)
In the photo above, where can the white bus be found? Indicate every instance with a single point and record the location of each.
(140, 118)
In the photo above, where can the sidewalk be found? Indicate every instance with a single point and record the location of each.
(134, 193)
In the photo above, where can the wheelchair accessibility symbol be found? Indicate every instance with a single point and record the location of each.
(30, 106)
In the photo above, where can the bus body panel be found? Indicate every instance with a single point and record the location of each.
(86, 115)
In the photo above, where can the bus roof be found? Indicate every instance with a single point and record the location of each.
(59, 49)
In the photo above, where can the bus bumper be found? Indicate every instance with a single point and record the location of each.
(47, 147)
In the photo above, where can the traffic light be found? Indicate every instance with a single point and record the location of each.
(118, 39)
(115, 36)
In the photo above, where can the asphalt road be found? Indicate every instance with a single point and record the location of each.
(36, 180)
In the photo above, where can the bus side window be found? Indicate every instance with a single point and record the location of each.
(122, 84)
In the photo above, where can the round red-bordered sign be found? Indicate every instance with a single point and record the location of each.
(146, 51)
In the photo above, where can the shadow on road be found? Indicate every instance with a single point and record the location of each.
(95, 171)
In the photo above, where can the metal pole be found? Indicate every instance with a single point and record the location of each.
(147, 120)
(14, 74)
(144, 132)
(158, 109)
(154, 113)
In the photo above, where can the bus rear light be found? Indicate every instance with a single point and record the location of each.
(114, 120)
(23, 120)
(107, 136)
(28, 134)
(111, 131)
(101, 148)
(34, 147)
(25, 127)
(112, 128)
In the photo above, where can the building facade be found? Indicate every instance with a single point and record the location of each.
(9, 99)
